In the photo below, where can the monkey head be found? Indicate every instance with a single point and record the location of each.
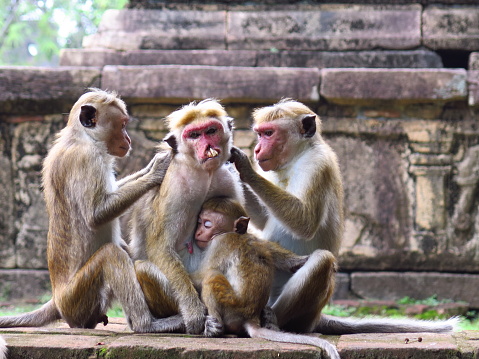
(202, 134)
(220, 215)
(102, 117)
(283, 130)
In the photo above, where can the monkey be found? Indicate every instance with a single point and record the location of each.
(87, 257)
(295, 198)
(236, 274)
(163, 221)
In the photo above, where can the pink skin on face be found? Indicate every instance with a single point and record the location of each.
(118, 143)
(271, 151)
(206, 139)
(211, 224)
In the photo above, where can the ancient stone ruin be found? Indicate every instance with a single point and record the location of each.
(396, 84)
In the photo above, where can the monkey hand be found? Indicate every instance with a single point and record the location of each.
(159, 165)
(268, 319)
(213, 326)
(194, 318)
(242, 163)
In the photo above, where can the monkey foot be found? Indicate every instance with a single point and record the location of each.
(213, 326)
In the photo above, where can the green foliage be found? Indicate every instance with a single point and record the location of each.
(32, 32)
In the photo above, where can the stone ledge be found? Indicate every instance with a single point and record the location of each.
(186, 83)
(396, 285)
(451, 28)
(116, 340)
(353, 86)
(50, 89)
(251, 58)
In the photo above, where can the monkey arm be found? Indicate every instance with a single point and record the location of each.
(302, 218)
(255, 208)
(285, 259)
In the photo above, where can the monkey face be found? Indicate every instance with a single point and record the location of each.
(208, 142)
(210, 224)
(118, 142)
(272, 150)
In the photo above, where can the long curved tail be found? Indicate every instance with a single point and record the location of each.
(255, 331)
(44, 315)
(338, 325)
(3, 349)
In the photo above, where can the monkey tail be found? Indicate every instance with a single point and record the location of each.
(44, 315)
(3, 348)
(255, 331)
(337, 325)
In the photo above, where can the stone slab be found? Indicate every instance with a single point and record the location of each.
(451, 27)
(116, 340)
(251, 58)
(327, 27)
(474, 61)
(186, 83)
(131, 29)
(473, 82)
(396, 285)
(353, 86)
(47, 90)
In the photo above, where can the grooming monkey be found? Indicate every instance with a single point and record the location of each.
(296, 200)
(87, 259)
(162, 236)
(237, 272)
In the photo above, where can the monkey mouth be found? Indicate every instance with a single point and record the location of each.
(211, 153)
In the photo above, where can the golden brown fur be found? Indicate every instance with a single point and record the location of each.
(87, 260)
(163, 222)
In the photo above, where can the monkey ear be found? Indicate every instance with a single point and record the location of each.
(171, 140)
(309, 125)
(241, 225)
(87, 116)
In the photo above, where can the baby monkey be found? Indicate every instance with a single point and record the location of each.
(236, 275)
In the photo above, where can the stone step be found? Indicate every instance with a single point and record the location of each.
(252, 58)
(117, 341)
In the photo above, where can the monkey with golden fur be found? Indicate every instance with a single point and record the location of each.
(237, 272)
(295, 198)
(163, 221)
(87, 260)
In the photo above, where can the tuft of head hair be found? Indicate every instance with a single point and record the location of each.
(226, 206)
(206, 109)
(97, 97)
(286, 108)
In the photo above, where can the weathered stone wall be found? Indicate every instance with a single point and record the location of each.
(404, 125)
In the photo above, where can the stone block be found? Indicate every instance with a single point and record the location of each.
(473, 81)
(24, 284)
(42, 90)
(396, 285)
(327, 27)
(7, 207)
(455, 28)
(370, 59)
(353, 86)
(185, 83)
(474, 61)
(131, 29)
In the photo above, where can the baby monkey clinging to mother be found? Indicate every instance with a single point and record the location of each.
(236, 274)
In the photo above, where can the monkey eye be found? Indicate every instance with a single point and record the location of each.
(208, 224)
(268, 133)
(194, 135)
(211, 131)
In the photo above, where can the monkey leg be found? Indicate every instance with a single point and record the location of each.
(225, 308)
(298, 308)
(157, 291)
(86, 297)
